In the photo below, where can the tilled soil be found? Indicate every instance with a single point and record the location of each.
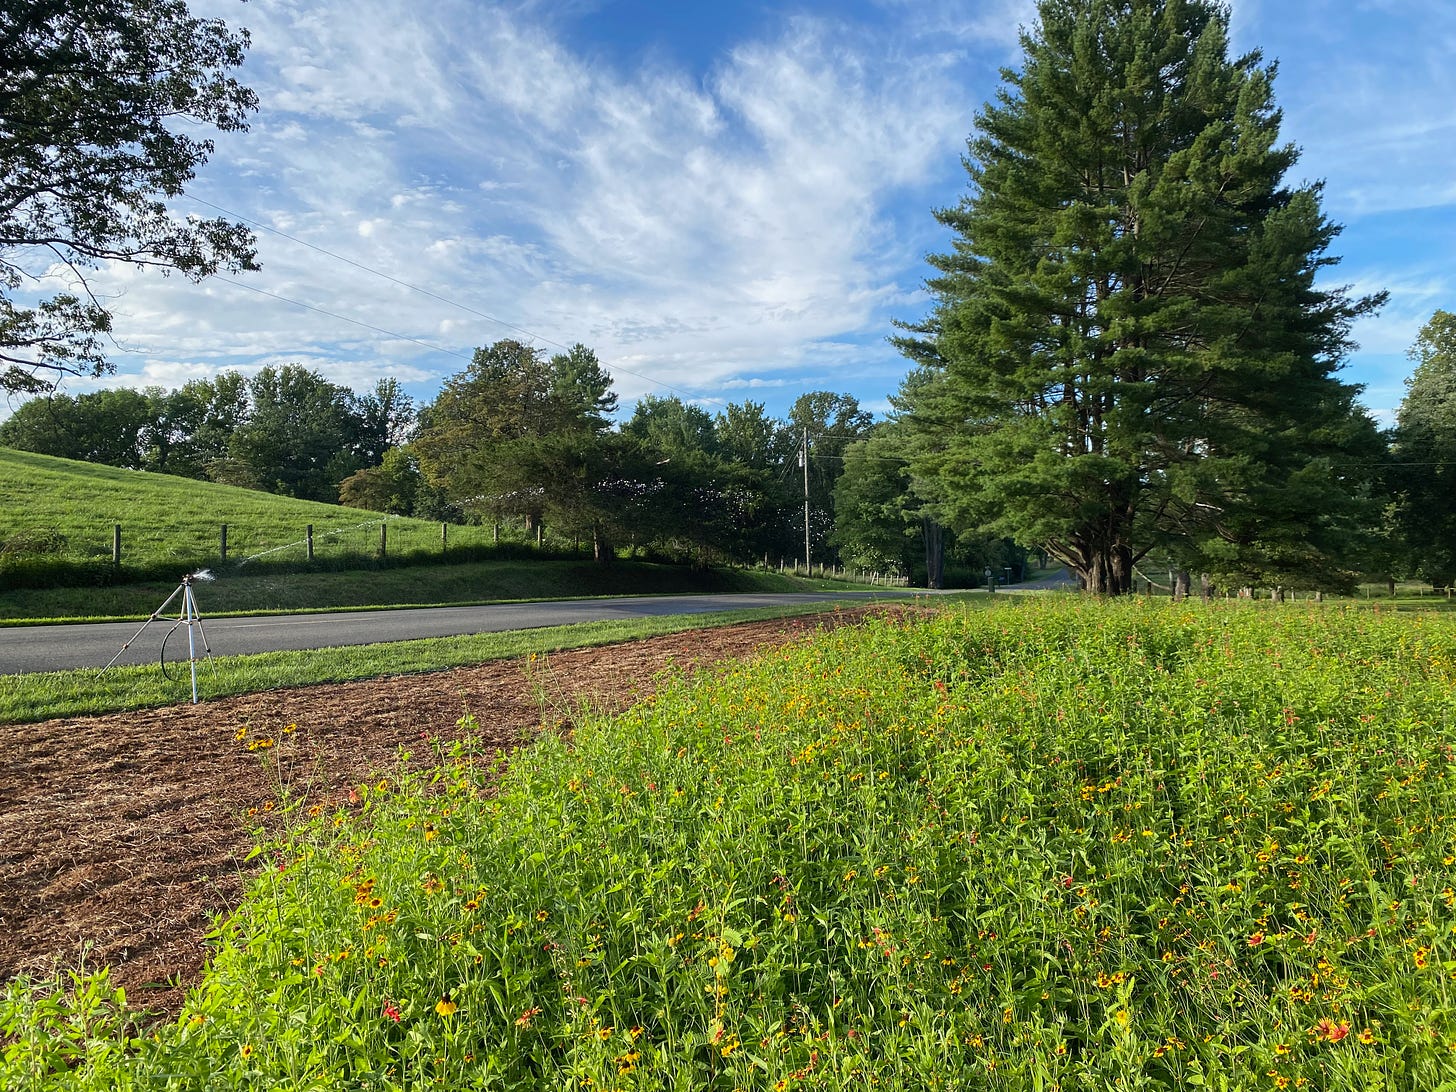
(122, 836)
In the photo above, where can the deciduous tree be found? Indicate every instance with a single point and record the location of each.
(832, 422)
(1424, 454)
(515, 433)
(301, 437)
(103, 104)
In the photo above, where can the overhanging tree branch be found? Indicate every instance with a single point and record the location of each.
(88, 90)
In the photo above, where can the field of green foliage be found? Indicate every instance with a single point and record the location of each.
(1065, 844)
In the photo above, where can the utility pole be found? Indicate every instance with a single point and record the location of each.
(804, 462)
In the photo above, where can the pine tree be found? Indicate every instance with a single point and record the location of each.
(1131, 350)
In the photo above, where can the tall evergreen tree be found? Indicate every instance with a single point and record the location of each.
(1130, 348)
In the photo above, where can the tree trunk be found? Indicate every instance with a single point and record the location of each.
(934, 553)
(602, 552)
(1182, 584)
(1109, 571)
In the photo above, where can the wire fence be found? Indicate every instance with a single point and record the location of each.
(118, 552)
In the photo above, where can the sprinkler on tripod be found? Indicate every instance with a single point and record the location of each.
(188, 616)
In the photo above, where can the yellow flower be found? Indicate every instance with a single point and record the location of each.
(247, 1050)
(446, 1007)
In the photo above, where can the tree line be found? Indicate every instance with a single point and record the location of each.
(528, 442)
(284, 430)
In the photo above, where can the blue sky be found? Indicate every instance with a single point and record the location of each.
(727, 201)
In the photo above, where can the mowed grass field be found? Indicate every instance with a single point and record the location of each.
(1045, 845)
(177, 521)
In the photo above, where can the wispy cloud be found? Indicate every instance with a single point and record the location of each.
(704, 226)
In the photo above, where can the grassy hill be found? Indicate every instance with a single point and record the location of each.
(59, 514)
(57, 518)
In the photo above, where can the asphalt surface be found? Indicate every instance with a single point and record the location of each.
(58, 648)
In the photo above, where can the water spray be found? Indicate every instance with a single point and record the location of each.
(334, 533)
(188, 616)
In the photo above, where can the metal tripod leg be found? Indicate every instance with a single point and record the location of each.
(193, 617)
(155, 615)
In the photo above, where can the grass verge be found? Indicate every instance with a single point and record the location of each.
(43, 695)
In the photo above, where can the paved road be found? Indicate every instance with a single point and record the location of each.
(56, 648)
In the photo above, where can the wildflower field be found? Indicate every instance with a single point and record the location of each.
(1067, 845)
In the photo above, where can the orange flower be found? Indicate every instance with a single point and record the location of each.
(1330, 1031)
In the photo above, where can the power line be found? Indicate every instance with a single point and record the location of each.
(372, 270)
(424, 292)
(341, 318)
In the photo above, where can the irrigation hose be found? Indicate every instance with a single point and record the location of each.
(162, 656)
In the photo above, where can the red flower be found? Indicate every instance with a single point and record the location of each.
(391, 1012)
(1330, 1031)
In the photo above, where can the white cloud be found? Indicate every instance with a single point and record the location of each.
(696, 228)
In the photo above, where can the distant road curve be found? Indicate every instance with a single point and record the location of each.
(59, 648)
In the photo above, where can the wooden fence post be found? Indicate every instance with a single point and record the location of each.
(222, 543)
(116, 544)
(308, 540)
